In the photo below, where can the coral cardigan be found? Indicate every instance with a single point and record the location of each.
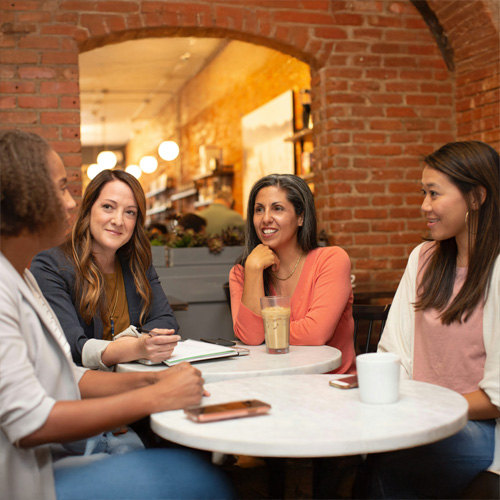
(321, 306)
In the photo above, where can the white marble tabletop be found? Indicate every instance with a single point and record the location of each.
(300, 360)
(309, 418)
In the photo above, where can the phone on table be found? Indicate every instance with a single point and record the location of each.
(223, 411)
(346, 382)
(219, 341)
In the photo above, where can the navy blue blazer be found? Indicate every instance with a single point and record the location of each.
(55, 275)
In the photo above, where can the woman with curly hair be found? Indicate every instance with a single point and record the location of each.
(101, 283)
(54, 415)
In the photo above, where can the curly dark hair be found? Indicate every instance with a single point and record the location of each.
(29, 199)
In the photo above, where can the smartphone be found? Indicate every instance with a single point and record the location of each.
(223, 411)
(219, 341)
(346, 382)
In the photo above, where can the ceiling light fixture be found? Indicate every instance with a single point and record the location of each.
(148, 164)
(134, 170)
(93, 170)
(168, 150)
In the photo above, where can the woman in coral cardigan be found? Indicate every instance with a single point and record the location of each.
(282, 257)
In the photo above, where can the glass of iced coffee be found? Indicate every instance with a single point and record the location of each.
(275, 311)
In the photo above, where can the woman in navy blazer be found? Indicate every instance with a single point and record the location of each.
(101, 283)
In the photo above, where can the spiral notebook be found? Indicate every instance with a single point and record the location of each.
(195, 350)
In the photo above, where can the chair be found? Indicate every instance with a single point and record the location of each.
(372, 314)
(225, 287)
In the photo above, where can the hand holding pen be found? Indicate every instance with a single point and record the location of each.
(158, 344)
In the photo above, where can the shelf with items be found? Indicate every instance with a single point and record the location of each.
(303, 148)
(158, 196)
(208, 184)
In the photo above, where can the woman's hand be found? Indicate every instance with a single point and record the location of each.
(178, 387)
(159, 345)
(261, 258)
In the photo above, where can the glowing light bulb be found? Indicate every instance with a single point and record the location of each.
(106, 159)
(134, 170)
(148, 164)
(168, 150)
(93, 170)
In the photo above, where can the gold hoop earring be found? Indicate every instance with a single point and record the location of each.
(466, 218)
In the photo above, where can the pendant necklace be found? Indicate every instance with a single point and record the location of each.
(111, 320)
(291, 274)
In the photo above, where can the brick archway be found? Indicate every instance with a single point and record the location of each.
(382, 94)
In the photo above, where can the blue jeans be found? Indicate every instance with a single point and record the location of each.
(159, 473)
(438, 470)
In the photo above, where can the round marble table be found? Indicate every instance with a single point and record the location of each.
(300, 360)
(309, 418)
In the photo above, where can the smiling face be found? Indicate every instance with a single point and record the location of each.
(444, 206)
(113, 218)
(274, 219)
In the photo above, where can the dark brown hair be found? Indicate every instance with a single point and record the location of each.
(300, 196)
(29, 198)
(89, 281)
(469, 165)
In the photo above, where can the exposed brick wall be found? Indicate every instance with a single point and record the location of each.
(381, 92)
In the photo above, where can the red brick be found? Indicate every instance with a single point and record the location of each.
(330, 33)
(18, 56)
(117, 6)
(388, 226)
(371, 239)
(7, 102)
(39, 42)
(59, 57)
(385, 125)
(17, 117)
(36, 72)
(387, 200)
(370, 138)
(48, 117)
(37, 102)
(70, 102)
(388, 150)
(59, 88)
(10, 87)
(401, 112)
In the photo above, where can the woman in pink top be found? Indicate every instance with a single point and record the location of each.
(445, 322)
(282, 257)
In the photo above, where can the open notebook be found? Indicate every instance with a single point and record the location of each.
(194, 350)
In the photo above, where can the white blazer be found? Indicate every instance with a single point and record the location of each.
(36, 370)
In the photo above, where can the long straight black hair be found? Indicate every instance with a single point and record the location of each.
(469, 165)
(301, 197)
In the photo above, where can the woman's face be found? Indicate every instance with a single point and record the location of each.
(274, 218)
(58, 174)
(444, 206)
(113, 217)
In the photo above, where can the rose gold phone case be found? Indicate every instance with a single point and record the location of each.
(214, 413)
(345, 383)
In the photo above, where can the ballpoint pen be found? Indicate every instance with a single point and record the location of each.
(150, 332)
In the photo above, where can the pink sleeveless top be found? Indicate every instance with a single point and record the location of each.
(451, 356)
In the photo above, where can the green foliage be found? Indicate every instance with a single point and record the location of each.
(231, 236)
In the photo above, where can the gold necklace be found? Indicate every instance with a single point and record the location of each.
(291, 274)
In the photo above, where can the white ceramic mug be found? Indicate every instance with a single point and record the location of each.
(378, 377)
